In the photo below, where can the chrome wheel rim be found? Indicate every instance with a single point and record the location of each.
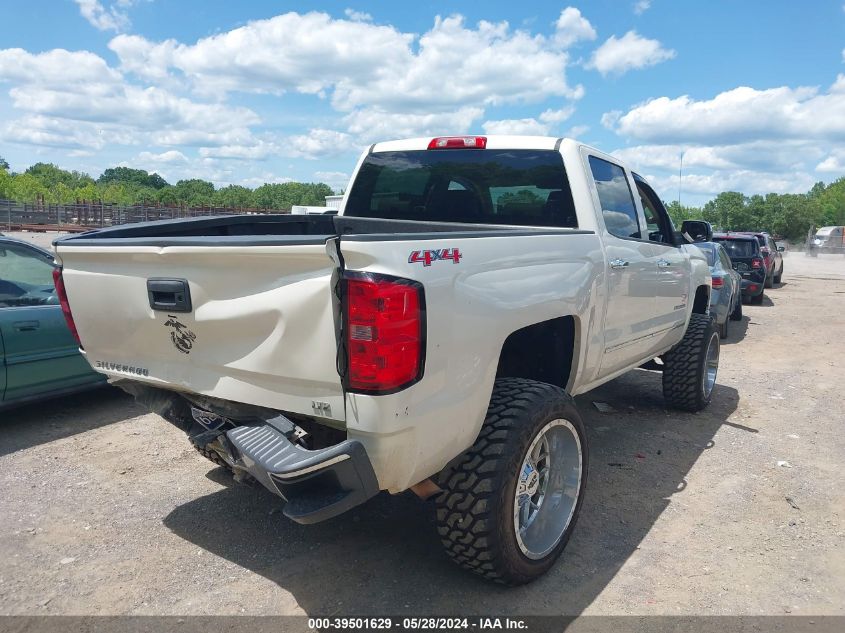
(547, 488)
(711, 365)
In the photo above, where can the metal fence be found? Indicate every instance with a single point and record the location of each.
(83, 216)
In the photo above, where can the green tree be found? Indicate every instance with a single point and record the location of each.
(89, 192)
(726, 211)
(4, 166)
(168, 196)
(195, 192)
(832, 203)
(51, 175)
(5, 184)
(679, 213)
(233, 196)
(127, 175)
(27, 188)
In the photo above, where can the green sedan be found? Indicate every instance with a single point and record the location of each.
(39, 357)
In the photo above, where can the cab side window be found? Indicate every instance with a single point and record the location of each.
(617, 202)
(26, 278)
(658, 224)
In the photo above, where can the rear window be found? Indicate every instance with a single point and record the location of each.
(518, 187)
(738, 248)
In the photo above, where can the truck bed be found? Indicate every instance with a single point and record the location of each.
(243, 308)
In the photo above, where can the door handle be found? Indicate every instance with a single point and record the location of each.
(616, 264)
(663, 263)
(26, 326)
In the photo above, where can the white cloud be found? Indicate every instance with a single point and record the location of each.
(78, 97)
(169, 157)
(764, 155)
(258, 150)
(641, 6)
(629, 52)
(58, 68)
(543, 125)
(557, 116)
(833, 163)
(358, 16)
(527, 127)
(337, 180)
(572, 27)
(319, 143)
(746, 181)
(373, 124)
(609, 119)
(740, 114)
(577, 131)
(57, 132)
(362, 64)
(111, 19)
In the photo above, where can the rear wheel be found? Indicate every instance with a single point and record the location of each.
(736, 315)
(689, 375)
(768, 281)
(509, 506)
(757, 300)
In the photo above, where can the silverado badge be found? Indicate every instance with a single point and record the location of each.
(182, 338)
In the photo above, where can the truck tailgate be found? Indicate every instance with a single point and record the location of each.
(260, 328)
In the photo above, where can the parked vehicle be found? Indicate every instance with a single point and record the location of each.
(429, 337)
(726, 298)
(747, 259)
(772, 256)
(39, 357)
(830, 239)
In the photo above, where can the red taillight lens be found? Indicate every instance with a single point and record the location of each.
(718, 282)
(756, 263)
(61, 293)
(384, 333)
(458, 142)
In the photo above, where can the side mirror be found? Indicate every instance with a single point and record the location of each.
(697, 231)
(781, 249)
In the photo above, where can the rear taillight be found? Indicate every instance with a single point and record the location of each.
(458, 142)
(61, 293)
(756, 263)
(384, 332)
(718, 282)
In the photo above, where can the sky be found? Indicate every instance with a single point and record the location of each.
(699, 96)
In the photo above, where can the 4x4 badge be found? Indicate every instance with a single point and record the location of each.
(182, 338)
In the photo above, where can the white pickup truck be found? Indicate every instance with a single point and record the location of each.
(430, 336)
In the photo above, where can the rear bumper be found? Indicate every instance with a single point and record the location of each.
(317, 485)
(753, 287)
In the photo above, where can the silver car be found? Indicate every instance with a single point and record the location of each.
(726, 298)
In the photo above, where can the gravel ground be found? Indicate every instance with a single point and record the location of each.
(105, 509)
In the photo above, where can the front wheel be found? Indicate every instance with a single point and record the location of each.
(509, 506)
(690, 368)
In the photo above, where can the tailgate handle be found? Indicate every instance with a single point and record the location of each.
(169, 295)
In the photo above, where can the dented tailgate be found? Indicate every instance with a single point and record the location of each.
(257, 324)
